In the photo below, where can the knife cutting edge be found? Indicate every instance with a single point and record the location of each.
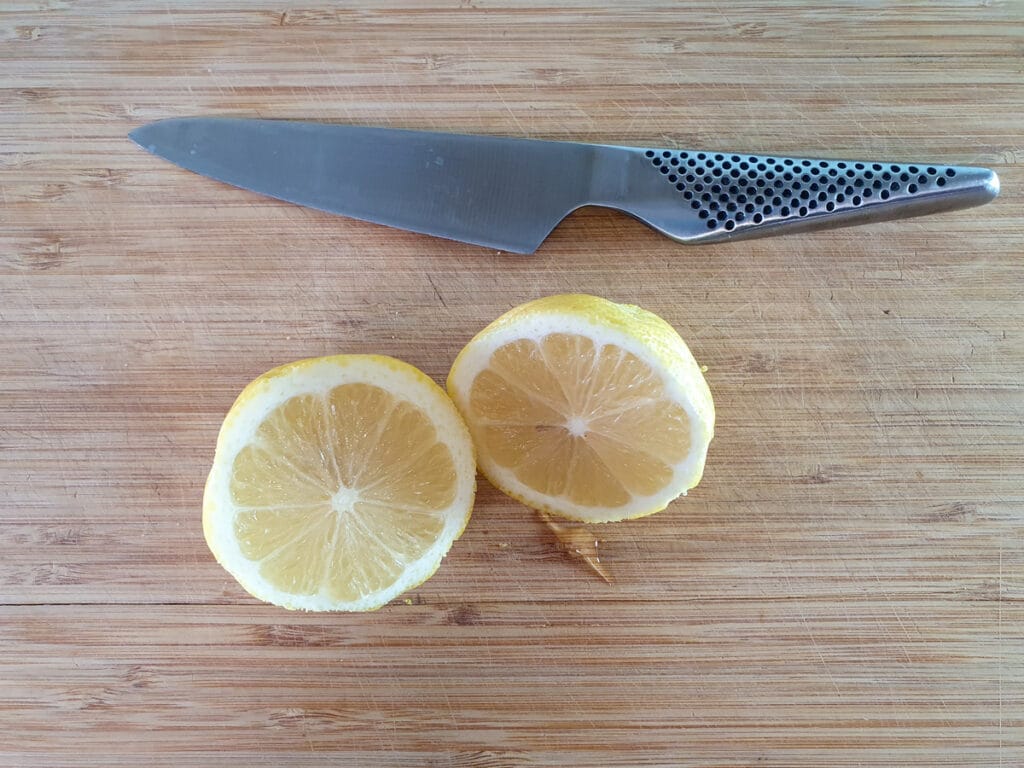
(510, 193)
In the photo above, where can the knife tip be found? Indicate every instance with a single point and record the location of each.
(146, 136)
(138, 135)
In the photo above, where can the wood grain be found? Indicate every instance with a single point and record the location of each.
(845, 588)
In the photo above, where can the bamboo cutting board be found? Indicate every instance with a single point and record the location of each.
(845, 588)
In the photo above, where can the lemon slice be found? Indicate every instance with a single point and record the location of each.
(338, 483)
(585, 408)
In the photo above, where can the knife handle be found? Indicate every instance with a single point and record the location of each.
(709, 196)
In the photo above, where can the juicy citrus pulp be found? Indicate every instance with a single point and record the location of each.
(338, 483)
(585, 408)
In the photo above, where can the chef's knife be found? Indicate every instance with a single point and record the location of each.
(510, 193)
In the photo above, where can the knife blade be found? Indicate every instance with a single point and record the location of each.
(510, 193)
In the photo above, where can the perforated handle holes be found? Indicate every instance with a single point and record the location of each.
(738, 191)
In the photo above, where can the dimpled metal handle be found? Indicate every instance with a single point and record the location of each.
(729, 196)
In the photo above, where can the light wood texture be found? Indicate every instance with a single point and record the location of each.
(845, 588)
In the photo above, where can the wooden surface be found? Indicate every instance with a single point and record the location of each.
(845, 588)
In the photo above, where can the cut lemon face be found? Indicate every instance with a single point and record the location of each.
(585, 408)
(338, 483)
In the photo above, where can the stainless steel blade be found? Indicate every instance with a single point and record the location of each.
(501, 193)
(510, 193)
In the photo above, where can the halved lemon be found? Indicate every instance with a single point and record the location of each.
(585, 408)
(338, 483)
